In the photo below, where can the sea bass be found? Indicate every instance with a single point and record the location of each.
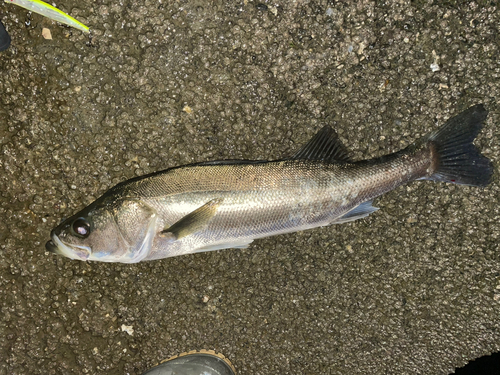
(228, 204)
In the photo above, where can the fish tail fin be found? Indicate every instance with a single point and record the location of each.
(459, 161)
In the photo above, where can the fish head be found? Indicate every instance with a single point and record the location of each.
(109, 230)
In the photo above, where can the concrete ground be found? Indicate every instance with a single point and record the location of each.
(413, 289)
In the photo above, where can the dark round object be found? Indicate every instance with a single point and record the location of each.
(4, 38)
(81, 227)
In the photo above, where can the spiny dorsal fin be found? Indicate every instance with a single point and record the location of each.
(325, 146)
(194, 221)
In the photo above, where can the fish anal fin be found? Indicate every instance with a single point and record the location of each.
(193, 222)
(358, 212)
(324, 146)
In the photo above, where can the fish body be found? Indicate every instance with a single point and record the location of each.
(228, 204)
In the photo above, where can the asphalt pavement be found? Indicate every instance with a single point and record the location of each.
(412, 289)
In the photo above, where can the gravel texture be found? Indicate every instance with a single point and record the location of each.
(413, 289)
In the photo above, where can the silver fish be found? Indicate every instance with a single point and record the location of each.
(228, 204)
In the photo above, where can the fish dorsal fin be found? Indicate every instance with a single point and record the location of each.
(193, 222)
(324, 146)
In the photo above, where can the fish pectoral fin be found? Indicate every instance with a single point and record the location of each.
(325, 146)
(358, 212)
(193, 222)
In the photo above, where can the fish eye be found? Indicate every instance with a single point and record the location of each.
(81, 227)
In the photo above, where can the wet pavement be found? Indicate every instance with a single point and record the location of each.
(413, 289)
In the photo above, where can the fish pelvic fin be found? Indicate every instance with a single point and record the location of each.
(456, 158)
(194, 221)
(235, 244)
(325, 146)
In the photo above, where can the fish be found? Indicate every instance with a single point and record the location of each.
(228, 204)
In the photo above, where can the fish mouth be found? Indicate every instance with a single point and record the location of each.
(56, 246)
(51, 247)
